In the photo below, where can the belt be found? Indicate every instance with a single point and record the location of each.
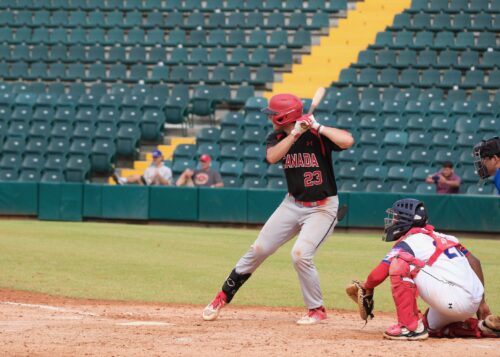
(313, 203)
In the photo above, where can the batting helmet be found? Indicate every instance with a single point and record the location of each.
(284, 109)
(404, 215)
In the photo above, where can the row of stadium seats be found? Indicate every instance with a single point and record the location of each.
(440, 40)
(137, 73)
(155, 19)
(455, 6)
(446, 78)
(178, 5)
(427, 59)
(158, 37)
(97, 55)
(443, 21)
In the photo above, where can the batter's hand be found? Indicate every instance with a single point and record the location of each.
(300, 128)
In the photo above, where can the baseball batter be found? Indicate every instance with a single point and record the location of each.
(437, 267)
(309, 210)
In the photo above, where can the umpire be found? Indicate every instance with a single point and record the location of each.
(487, 160)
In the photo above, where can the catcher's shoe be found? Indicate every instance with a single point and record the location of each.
(212, 310)
(398, 332)
(314, 316)
(490, 326)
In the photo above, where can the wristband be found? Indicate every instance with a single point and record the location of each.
(320, 128)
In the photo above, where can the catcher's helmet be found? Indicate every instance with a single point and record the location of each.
(486, 148)
(404, 215)
(284, 109)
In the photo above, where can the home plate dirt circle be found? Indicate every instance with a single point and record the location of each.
(40, 325)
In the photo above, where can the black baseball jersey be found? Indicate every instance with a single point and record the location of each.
(308, 165)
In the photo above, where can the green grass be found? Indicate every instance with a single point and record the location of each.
(180, 264)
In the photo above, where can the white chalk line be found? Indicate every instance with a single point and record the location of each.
(50, 307)
(84, 313)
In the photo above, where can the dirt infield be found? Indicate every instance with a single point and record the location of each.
(41, 325)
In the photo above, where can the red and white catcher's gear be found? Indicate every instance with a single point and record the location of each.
(284, 109)
(404, 290)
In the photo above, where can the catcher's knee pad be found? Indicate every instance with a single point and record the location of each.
(233, 282)
(404, 293)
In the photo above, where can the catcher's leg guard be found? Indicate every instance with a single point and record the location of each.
(404, 293)
(232, 284)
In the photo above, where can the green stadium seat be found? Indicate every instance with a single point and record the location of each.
(466, 124)
(436, 6)
(351, 186)
(493, 80)
(409, 77)
(231, 169)
(366, 58)
(480, 95)
(366, 77)
(419, 139)
(297, 21)
(395, 138)
(8, 174)
(127, 138)
(429, 78)
(275, 20)
(442, 139)
(443, 155)
(80, 145)
(373, 155)
(371, 121)
(399, 173)
(403, 187)
(421, 173)
(375, 186)
(440, 106)
(401, 21)
(279, 38)
(458, 6)
(489, 60)
(422, 40)
(235, 37)
(441, 21)
(451, 78)
(385, 58)
(211, 149)
(255, 152)
(480, 190)
(463, 107)
(478, 6)
(487, 109)
(230, 151)
(464, 40)
(301, 38)
(426, 58)
(77, 168)
(473, 78)
(276, 183)
(402, 39)
(442, 123)
(255, 169)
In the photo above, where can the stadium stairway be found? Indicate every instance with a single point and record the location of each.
(139, 166)
(340, 48)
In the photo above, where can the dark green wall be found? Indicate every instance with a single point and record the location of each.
(74, 202)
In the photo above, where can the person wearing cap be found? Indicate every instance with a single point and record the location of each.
(156, 173)
(446, 180)
(487, 160)
(203, 177)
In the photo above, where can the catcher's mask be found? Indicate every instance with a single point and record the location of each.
(485, 149)
(284, 109)
(402, 216)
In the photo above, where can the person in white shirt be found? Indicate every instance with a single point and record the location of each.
(156, 174)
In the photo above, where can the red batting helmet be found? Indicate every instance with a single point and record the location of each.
(284, 109)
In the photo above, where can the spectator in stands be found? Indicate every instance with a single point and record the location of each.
(156, 173)
(487, 160)
(205, 176)
(446, 180)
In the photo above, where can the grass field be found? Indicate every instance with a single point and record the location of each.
(180, 264)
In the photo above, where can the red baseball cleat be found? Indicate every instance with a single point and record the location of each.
(314, 316)
(211, 312)
(398, 332)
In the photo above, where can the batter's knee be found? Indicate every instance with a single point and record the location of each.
(260, 252)
(299, 259)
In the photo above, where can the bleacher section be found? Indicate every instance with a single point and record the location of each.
(83, 82)
(90, 80)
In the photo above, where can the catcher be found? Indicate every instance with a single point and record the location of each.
(435, 266)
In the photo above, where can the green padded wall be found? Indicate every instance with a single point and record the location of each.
(60, 201)
(125, 202)
(19, 198)
(173, 203)
(261, 203)
(92, 200)
(222, 205)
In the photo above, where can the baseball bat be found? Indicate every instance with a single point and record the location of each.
(320, 93)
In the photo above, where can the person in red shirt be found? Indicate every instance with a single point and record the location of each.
(446, 180)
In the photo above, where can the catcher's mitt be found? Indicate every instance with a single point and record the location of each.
(362, 299)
